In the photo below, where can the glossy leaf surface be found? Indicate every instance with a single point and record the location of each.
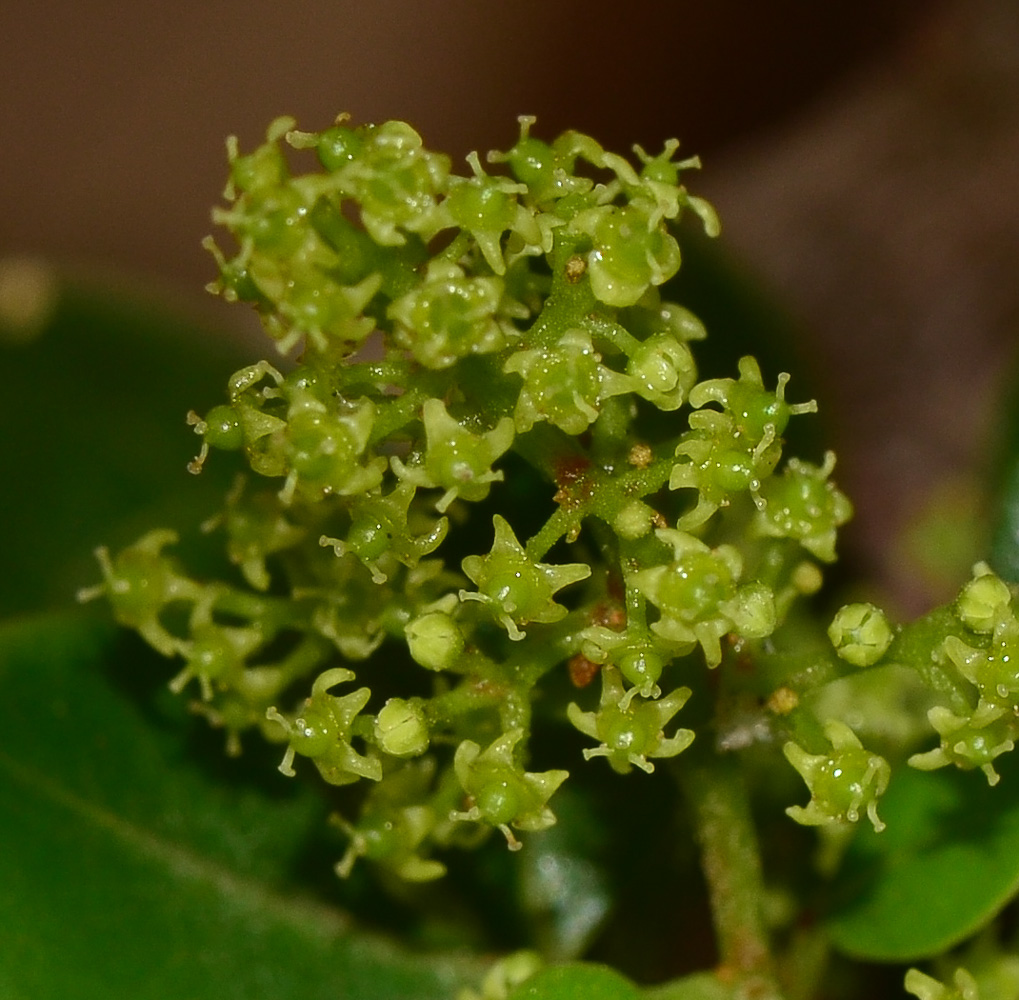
(95, 443)
(698, 986)
(577, 981)
(946, 864)
(130, 870)
(1004, 485)
(1005, 540)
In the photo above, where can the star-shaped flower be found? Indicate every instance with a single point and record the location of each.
(322, 732)
(517, 589)
(502, 793)
(456, 460)
(842, 783)
(631, 729)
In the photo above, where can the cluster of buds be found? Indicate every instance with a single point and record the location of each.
(990, 662)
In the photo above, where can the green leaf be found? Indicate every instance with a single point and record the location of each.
(576, 981)
(946, 864)
(95, 445)
(698, 986)
(128, 870)
(563, 886)
(1004, 556)
(1004, 485)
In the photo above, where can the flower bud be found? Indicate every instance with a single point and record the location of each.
(983, 600)
(860, 634)
(435, 640)
(664, 370)
(634, 520)
(401, 729)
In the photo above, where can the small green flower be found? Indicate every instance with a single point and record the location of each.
(699, 596)
(257, 526)
(927, 988)
(502, 794)
(631, 253)
(994, 670)
(803, 504)
(456, 460)
(517, 589)
(395, 822)
(735, 450)
(235, 282)
(381, 532)
(215, 653)
(758, 416)
(860, 634)
(325, 448)
(659, 187)
(564, 384)
(336, 147)
(391, 838)
(265, 168)
(449, 316)
(546, 170)
(719, 466)
(968, 743)
(634, 520)
(984, 601)
(253, 390)
(841, 783)
(139, 582)
(396, 181)
(221, 428)
(401, 729)
(487, 207)
(663, 371)
(322, 732)
(349, 607)
(274, 225)
(637, 658)
(310, 302)
(630, 727)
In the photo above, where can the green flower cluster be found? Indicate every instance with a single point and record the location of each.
(451, 331)
(976, 730)
(966, 659)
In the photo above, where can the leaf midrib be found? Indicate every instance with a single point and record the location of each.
(296, 909)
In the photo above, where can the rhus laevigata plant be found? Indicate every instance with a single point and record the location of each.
(497, 540)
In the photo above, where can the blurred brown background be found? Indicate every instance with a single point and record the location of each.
(863, 157)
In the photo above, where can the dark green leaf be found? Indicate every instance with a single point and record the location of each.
(563, 885)
(95, 445)
(699, 986)
(129, 872)
(946, 864)
(1004, 556)
(1004, 485)
(577, 981)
